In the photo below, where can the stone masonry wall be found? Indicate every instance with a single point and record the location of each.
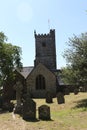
(50, 80)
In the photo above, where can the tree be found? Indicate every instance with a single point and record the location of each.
(67, 75)
(76, 56)
(9, 59)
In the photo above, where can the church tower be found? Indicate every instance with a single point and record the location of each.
(45, 49)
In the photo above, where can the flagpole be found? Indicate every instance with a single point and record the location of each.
(48, 24)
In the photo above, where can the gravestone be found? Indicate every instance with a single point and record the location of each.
(44, 112)
(76, 91)
(49, 97)
(29, 109)
(18, 87)
(60, 98)
(66, 92)
(8, 106)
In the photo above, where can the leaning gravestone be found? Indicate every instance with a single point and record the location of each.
(60, 98)
(44, 112)
(29, 109)
(49, 97)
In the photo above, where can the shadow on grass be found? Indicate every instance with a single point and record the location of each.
(31, 120)
(36, 120)
(82, 104)
(46, 120)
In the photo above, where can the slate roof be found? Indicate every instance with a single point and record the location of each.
(26, 71)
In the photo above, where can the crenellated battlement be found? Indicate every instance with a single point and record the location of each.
(52, 32)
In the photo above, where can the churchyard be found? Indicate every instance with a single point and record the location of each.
(71, 115)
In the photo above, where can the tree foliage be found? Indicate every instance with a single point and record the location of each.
(76, 56)
(67, 75)
(10, 58)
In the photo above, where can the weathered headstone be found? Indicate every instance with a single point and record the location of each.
(76, 91)
(60, 98)
(49, 97)
(29, 109)
(66, 92)
(8, 106)
(18, 87)
(44, 112)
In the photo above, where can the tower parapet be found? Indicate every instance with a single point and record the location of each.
(52, 32)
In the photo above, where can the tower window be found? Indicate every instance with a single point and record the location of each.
(40, 82)
(44, 44)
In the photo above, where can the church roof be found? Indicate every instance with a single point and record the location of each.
(26, 71)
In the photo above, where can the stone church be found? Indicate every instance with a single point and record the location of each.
(41, 78)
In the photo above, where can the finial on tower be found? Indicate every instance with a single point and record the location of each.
(34, 32)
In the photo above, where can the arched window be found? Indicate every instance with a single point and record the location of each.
(40, 82)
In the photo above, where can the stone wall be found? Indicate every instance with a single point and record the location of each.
(50, 81)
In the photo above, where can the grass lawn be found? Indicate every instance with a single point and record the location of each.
(69, 116)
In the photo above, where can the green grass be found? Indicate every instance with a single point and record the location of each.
(69, 116)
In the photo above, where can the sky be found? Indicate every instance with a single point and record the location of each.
(19, 19)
